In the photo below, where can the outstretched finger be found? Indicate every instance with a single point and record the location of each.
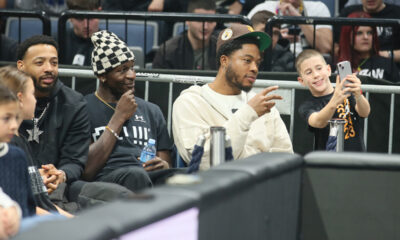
(273, 97)
(267, 90)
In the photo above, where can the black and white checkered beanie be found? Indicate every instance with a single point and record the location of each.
(109, 52)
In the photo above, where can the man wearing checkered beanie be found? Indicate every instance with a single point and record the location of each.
(121, 123)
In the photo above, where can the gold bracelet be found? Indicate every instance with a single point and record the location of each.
(113, 132)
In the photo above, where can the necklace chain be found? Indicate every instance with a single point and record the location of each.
(362, 63)
(42, 114)
(103, 101)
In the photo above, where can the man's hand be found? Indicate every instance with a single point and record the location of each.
(156, 6)
(126, 105)
(12, 221)
(51, 176)
(262, 102)
(3, 222)
(155, 164)
(341, 92)
(353, 85)
(287, 9)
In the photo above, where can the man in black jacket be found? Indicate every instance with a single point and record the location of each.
(59, 132)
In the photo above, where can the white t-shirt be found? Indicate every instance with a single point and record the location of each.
(231, 102)
(311, 9)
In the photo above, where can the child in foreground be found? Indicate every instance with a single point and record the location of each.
(327, 102)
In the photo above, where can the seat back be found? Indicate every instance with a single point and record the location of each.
(139, 56)
(134, 33)
(29, 27)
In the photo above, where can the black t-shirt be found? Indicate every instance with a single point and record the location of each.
(380, 68)
(147, 122)
(353, 128)
(387, 35)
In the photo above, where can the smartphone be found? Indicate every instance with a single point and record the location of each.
(344, 69)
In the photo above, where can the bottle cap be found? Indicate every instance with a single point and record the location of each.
(152, 141)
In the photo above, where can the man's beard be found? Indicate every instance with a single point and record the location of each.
(114, 91)
(232, 79)
(45, 89)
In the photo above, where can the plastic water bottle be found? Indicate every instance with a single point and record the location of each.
(149, 151)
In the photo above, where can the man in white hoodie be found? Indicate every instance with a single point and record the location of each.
(251, 120)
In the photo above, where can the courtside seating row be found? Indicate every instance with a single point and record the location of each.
(280, 196)
(134, 36)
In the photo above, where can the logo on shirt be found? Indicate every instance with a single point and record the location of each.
(345, 113)
(139, 118)
(375, 73)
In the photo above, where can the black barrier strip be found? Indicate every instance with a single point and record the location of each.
(19, 29)
(145, 38)
(126, 30)
(148, 16)
(203, 42)
(351, 167)
(314, 34)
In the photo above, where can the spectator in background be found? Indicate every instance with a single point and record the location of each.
(282, 59)
(78, 47)
(323, 33)
(8, 48)
(388, 36)
(357, 2)
(242, 7)
(193, 49)
(359, 45)
(52, 7)
(251, 120)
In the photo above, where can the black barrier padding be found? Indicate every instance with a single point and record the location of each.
(376, 161)
(253, 198)
(112, 220)
(351, 203)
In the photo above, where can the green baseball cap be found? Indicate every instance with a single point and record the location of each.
(238, 31)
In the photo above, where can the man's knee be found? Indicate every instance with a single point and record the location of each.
(134, 178)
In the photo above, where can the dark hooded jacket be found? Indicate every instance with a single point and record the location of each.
(65, 139)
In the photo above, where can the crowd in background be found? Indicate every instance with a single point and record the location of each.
(75, 152)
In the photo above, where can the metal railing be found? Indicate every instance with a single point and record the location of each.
(262, 83)
(20, 14)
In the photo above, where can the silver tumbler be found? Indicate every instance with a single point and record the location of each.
(217, 146)
(337, 129)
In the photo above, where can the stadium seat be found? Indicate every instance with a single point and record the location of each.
(29, 27)
(178, 29)
(134, 36)
(139, 56)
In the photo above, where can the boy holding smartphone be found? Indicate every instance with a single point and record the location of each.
(327, 102)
